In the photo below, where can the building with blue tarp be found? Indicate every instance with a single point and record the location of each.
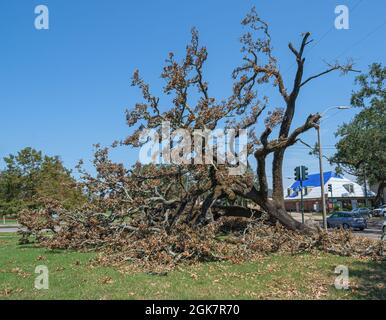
(345, 193)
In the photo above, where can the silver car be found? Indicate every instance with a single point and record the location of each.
(346, 220)
(380, 212)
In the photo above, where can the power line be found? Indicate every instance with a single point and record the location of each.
(362, 39)
(330, 116)
(322, 37)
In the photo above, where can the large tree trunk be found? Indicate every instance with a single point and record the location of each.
(276, 207)
(276, 210)
(379, 197)
(277, 177)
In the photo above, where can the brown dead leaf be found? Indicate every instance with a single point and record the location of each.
(107, 280)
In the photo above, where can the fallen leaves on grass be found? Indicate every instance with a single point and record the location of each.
(20, 272)
(107, 280)
(77, 263)
(6, 292)
(58, 269)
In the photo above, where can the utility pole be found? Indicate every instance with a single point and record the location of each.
(323, 199)
(322, 195)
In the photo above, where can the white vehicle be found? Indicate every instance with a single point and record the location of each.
(380, 212)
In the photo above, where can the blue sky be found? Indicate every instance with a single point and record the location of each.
(66, 88)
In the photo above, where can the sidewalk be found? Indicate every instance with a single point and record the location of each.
(315, 216)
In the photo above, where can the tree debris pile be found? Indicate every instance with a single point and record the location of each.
(150, 248)
(35, 223)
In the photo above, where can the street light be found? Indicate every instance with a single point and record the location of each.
(321, 162)
(334, 107)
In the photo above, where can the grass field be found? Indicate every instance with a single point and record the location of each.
(275, 277)
(8, 221)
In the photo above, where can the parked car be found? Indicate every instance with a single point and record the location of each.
(346, 220)
(364, 212)
(380, 212)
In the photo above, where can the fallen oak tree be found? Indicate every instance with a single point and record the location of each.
(174, 212)
(241, 110)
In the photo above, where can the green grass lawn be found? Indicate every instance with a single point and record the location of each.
(275, 277)
(8, 221)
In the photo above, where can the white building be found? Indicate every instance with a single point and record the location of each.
(345, 193)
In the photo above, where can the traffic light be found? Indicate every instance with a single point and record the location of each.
(301, 173)
(297, 173)
(304, 173)
(330, 188)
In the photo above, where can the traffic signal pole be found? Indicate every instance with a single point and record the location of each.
(301, 199)
(322, 180)
(301, 174)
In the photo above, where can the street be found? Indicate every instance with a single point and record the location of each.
(6, 229)
(373, 231)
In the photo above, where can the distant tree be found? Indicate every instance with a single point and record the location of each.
(30, 179)
(361, 150)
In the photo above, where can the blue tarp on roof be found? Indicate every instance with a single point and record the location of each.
(314, 180)
(293, 195)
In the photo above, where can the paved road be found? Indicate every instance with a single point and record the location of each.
(8, 229)
(373, 231)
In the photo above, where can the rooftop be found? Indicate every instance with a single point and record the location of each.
(314, 179)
